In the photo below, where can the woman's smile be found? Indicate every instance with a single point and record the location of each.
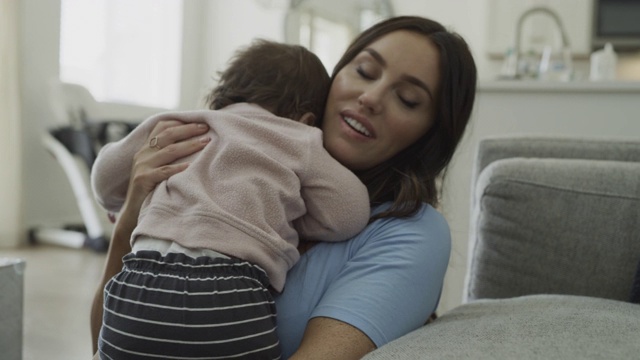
(359, 124)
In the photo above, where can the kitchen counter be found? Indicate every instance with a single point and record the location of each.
(557, 86)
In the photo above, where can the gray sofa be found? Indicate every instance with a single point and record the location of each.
(554, 256)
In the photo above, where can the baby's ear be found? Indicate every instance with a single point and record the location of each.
(308, 119)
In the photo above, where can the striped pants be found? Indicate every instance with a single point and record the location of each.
(178, 307)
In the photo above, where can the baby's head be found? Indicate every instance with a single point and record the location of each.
(287, 80)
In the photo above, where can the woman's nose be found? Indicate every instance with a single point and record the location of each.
(371, 99)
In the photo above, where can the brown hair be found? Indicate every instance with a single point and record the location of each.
(287, 80)
(409, 178)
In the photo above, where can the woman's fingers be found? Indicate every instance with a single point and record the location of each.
(168, 142)
(176, 151)
(146, 178)
(169, 132)
(171, 140)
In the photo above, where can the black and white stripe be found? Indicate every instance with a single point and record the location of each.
(178, 307)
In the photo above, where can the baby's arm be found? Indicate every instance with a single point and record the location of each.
(337, 201)
(111, 171)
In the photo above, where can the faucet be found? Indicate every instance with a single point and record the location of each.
(526, 14)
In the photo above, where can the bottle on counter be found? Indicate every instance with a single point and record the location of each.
(603, 64)
(555, 65)
(509, 69)
(527, 65)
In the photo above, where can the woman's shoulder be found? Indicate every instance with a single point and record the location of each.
(425, 212)
(426, 221)
(425, 231)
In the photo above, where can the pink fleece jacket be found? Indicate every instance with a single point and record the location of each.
(262, 183)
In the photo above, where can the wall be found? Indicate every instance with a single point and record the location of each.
(10, 142)
(46, 194)
(466, 17)
(212, 35)
(224, 34)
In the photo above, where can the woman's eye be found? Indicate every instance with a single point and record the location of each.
(363, 73)
(408, 103)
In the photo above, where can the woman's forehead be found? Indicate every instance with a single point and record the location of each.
(403, 42)
(407, 53)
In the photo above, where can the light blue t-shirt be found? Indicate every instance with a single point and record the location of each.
(386, 281)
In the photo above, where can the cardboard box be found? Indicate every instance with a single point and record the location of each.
(11, 307)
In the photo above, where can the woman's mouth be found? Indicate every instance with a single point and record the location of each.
(357, 126)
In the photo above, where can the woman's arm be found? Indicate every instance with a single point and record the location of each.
(150, 167)
(326, 338)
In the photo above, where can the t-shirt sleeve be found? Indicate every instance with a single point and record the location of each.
(392, 283)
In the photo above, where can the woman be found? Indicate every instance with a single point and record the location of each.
(400, 100)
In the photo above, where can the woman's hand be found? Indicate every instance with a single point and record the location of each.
(326, 338)
(153, 163)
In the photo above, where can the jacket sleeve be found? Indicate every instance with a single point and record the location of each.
(337, 201)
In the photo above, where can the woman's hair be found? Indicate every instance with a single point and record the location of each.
(409, 178)
(287, 80)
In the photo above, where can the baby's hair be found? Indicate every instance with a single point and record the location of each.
(287, 80)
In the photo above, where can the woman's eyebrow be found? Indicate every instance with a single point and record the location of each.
(376, 55)
(408, 78)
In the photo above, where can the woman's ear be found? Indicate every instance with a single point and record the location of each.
(308, 119)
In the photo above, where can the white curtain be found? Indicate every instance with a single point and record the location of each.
(10, 129)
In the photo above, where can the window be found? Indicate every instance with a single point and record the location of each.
(123, 51)
(326, 38)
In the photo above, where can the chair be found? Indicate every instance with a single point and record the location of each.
(74, 138)
(553, 258)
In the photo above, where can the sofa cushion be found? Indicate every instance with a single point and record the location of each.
(555, 226)
(522, 328)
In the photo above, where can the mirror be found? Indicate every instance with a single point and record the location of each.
(326, 27)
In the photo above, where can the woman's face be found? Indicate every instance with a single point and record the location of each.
(383, 100)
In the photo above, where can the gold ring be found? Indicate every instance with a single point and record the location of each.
(153, 143)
